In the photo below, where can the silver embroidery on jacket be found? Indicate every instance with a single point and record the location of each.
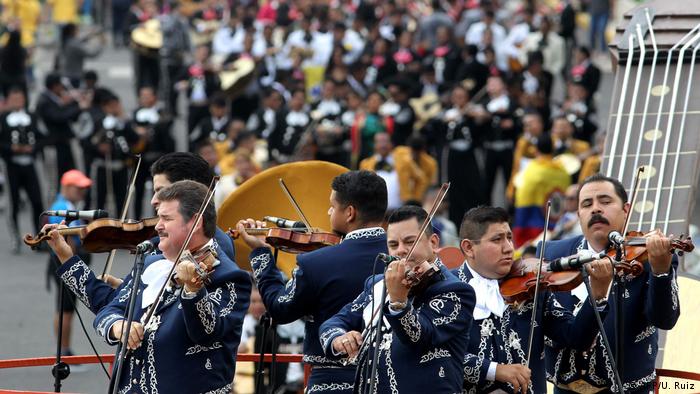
(77, 284)
(259, 264)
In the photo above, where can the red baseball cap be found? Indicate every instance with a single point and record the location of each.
(75, 178)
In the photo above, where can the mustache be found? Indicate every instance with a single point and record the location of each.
(597, 218)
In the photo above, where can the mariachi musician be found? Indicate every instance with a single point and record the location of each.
(196, 325)
(326, 279)
(498, 345)
(424, 334)
(20, 139)
(650, 300)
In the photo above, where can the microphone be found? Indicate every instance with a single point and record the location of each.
(616, 239)
(386, 258)
(78, 215)
(144, 247)
(284, 223)
(573, 262)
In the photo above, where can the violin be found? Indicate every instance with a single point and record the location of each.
(635, 252)
(418, 278)
(519, 285)
(207, 255)
(104, 235)
(292, 240)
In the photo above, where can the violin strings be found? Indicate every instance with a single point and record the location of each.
(680, 139)
(645, 111)
(633, 106)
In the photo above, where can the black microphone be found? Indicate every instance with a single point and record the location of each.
(284, 223)
(144, 247)
(386, 258)
(78, 215)
(616, 239)
(572, 262)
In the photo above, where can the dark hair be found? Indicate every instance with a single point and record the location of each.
(204, 143)
(585, 51)
(408, 212)
(242, 136)
(619, 188)
(364, 190)
(191, 195)
(179, 166)
(51, 80)
(477, 220)
(67, 32)
(544, 144)
(90, 75)
(218, 100)
(15, 89)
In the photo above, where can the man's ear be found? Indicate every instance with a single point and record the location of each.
(434, 242)
(467, 247)
(350, 214)
(626, 207)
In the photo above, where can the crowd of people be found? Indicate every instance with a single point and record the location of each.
(420, 92)
(405, 94)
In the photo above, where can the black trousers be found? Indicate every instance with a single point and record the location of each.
(64, 159)
(497, 159)
(24, 177)
(140, 189)
(120, 180)
(467, 183)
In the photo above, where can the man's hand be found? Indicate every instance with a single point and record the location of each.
(187, 275)
(659, 251)
(348, 343)
(396, 281)
(251, 240)
(601, 273)
(516, 374)
(135, 333)
(56, 241)
(112, 281)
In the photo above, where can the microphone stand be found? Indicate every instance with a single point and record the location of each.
(378, 338)
(620, 289)
(601, 328)
(123, 344)
(60, 369)
(267, 324)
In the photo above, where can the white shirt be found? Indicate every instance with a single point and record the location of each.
(393, 187)
(488, 296)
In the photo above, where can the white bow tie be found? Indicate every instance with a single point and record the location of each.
(153, 277)
(488, 298)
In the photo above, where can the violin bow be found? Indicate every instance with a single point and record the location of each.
(295, 205)
(436, 204)
(537, 283)
(185, 245)
(633, 201)
(125, 210)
